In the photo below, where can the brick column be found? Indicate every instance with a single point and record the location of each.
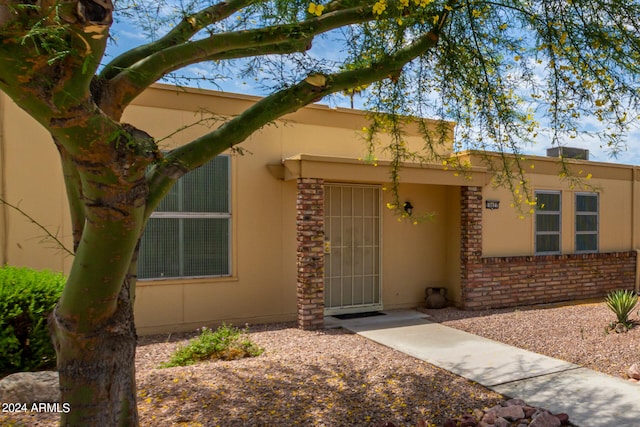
(470, 238)
(310, 250)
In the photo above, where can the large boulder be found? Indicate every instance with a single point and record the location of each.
(30, 387)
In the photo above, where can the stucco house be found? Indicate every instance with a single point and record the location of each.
(297, 227)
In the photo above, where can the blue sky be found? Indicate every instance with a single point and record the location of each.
(630, 155)
(126, 37)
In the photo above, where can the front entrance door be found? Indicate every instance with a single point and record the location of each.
(352, 249)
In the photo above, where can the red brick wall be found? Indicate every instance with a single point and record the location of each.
(310, 253)
(513, 281)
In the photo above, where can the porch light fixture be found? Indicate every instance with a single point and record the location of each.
(408, 207)
(492, 204)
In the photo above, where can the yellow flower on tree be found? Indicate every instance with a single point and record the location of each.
(380, 7)
(315, 9)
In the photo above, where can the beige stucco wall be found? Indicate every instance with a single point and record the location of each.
(262, 287)
(416, 256)
(508, 231)
(31, 179)
(263, 284)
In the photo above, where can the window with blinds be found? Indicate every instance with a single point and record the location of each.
(189, 234)
(586, 222)
(547, 222)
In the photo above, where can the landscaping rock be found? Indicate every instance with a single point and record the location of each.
(30, 387)
(515, 402)
(621, 328)
(490, 417)
(514, 412)
(478, 414)
(468, 421)
(529, 411)
(564, 419)
(511, 413)
(545, 419)
(634, 372)
(464, 421)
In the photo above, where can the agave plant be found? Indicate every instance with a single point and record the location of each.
(621, 302)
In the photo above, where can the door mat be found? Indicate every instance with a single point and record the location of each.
(358, 315)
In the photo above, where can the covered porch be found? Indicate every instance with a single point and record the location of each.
(355, 255)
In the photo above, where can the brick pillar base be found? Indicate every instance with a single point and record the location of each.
(470, 237)
(310, 251)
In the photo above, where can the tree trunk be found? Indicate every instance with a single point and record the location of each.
(97, 369)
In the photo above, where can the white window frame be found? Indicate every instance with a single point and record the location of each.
(557, 213)
(596, 214)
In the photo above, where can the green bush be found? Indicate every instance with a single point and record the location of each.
(225, 343)
(26, 299)
(621, 302)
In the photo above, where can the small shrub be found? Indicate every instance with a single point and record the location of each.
(225, 343)
(621, 302)
(27, 297)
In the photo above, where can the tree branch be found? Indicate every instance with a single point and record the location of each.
(49, 56)
(180, 34)
(188, 157)
(5, 13)
(73, 186)
(129, 83)
(31, 219)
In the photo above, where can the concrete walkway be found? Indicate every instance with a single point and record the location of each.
(591, 399)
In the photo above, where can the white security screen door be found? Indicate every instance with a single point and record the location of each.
(352, 249)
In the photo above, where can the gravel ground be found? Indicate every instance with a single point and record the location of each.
(325, 378)
(333, 378)
(575, 333)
